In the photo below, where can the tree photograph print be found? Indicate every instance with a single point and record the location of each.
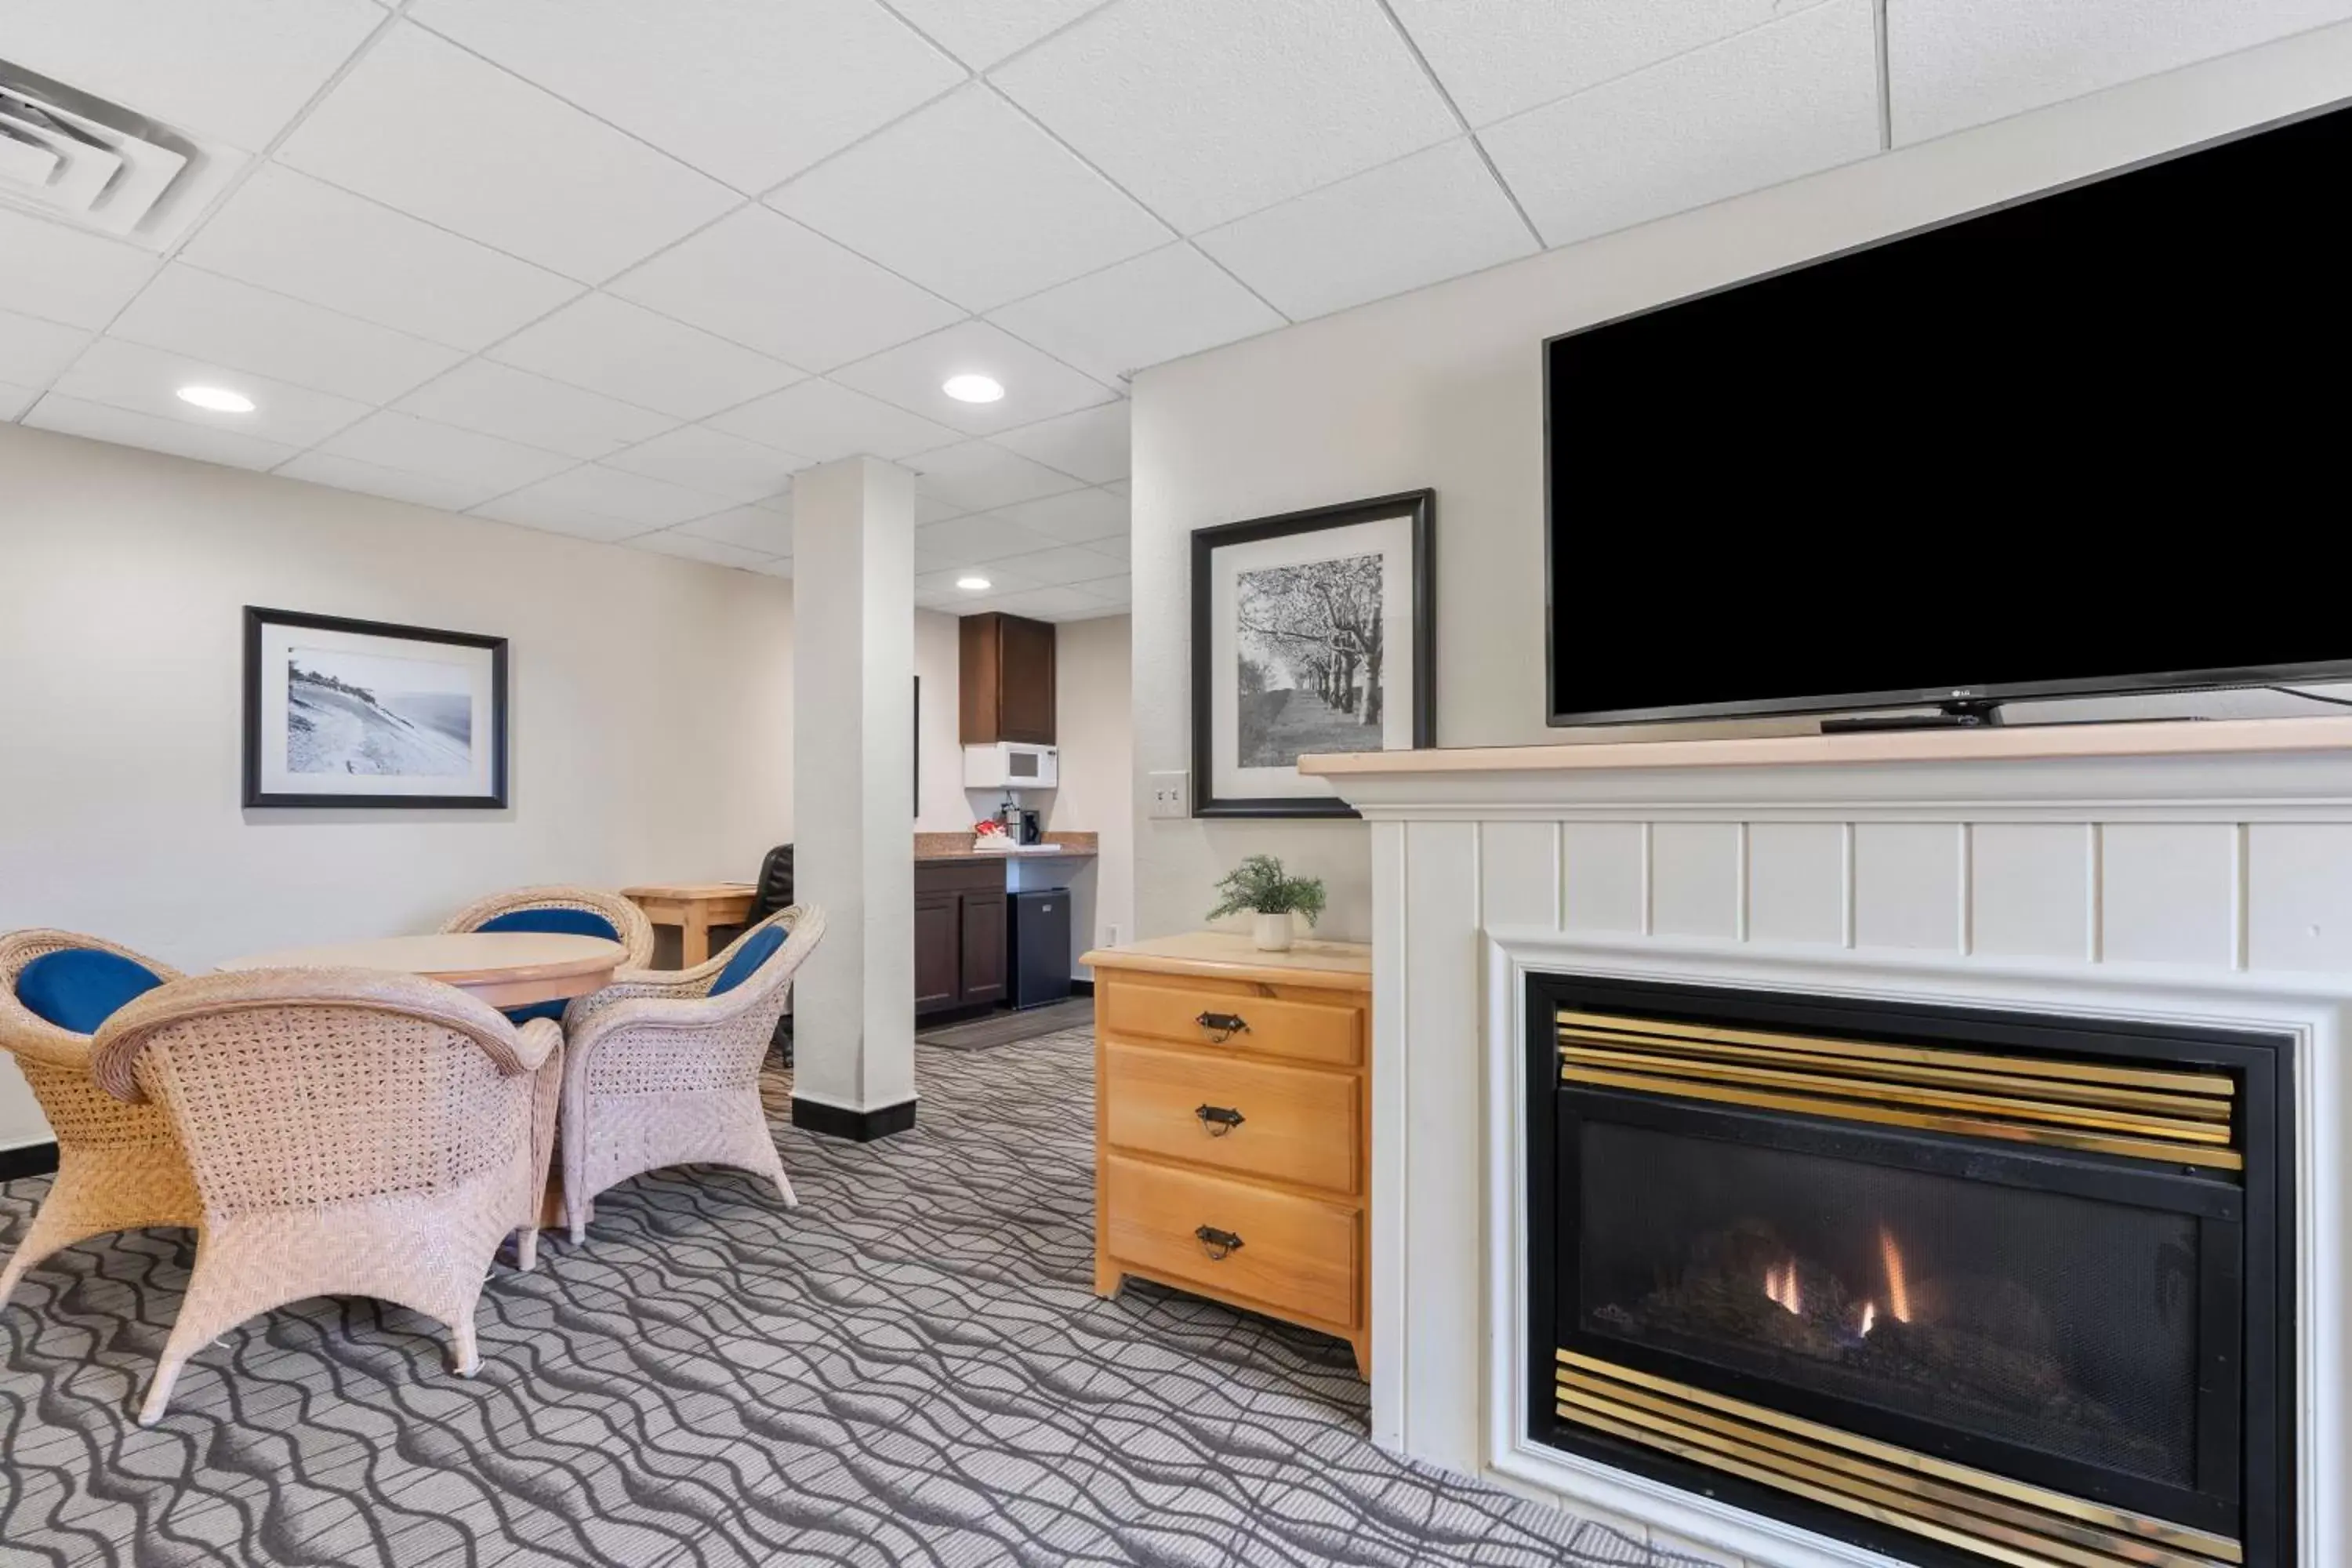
(1309, 646)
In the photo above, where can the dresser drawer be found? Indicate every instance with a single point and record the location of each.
(1297, 1254)
(1275, 1026)
(1295, 1124)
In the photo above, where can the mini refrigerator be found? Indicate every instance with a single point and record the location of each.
(1038, 960)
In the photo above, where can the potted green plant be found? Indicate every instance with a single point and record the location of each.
(1259, 887)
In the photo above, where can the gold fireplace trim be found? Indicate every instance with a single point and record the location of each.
(2171, 1116)
(2001, 1520)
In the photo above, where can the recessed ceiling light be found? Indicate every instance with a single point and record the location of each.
(219, 399)
(973, 388)
(971, 584)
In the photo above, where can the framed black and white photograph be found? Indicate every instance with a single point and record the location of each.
(1312, 632)
(341, 712)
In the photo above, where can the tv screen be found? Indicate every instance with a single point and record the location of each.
(2093, 442)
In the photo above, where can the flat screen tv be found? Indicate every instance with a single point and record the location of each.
(2094, 442)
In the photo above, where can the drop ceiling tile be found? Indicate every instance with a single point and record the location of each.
(101, 422)
(15, 400)
(980, 477)
(1951, 65)
(822, 420)
(516, 406)
(350, 474)
(1093, 444)
(423, 126)
(626, 352)
(982, 32)
(148, 381)
(1123, 489)
(781, 566)
(761, 279)
(1118, 591)
(1036, 385)
(1061, 565)
(748, 90)
(1078, 517)
(235, 69)
(712, 461)
(694, 547)
(968, 541)
(1120, 549)
(753, 528)
(1769, 105)
(395, 440)
(1161, 306)
(287, 232)
(64, 275)
(213, 318)
(971, 200)
(33, 353)
(929, 508)
(1419, 220)
(1205, 110)
(1501, 56)
(597, 503)
(942, 586)
(1050, 603)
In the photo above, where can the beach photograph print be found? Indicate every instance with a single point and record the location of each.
(1309, 646)
(362, 714)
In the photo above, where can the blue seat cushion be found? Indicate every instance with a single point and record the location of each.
(79, 988)
(747, 960)
(558, 923)
(519, 1016)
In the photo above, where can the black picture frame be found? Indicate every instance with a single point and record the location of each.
(1420, 682)
(258, 618)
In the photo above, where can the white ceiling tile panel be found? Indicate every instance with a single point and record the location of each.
(982, 32)
(1050, 603)
(1159, 306)
(980, 477)
(393, 484)
(1118, 591)
(1122, 488)
(822, 420)
(1118, 548)
(236, 324)
(942, 586)
(749, 90)
(1078, 517)
(15, 400)
(695, 547)
(1497, 57)
(1951, 64)
(1434, 215)
(423, 126)
(626, 352)
(971, 200)
(103, 422)
(33, 352)
(1061, 565)
(753, 528)
(393, 440)
(1205, 110)
(1769, 105)
(148, 381)
(601, 503)
(929, 508)
(710, 461)
(499, 400)
(63, 275)
(1094, 443)
(238, 70)
(765, 281)
(968, 540)
(781, 566)
(296, 235)
(1036, 385)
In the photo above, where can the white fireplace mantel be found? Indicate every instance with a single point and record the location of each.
(2167, 872)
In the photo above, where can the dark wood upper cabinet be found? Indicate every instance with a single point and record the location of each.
(1007, 679)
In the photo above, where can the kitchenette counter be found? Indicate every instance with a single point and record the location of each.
(935, 848)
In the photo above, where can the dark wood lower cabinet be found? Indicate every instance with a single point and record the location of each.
(959, 936)
(984, 920)
(939, 952)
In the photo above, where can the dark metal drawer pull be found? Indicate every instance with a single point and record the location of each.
(1218, 1244)
(1224, 1025)
(1218, 1118)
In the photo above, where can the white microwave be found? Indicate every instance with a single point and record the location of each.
(1010, 765)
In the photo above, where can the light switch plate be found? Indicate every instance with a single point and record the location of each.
(1171, 793)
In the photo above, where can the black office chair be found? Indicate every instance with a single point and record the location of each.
(773, 891)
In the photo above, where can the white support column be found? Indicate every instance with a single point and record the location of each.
(853, 754)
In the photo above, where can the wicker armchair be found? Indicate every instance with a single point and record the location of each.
(514, 910)
(118, 1167)
(660, 1072)
(350, 1131)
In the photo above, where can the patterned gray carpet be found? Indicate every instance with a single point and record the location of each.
(911, 1369)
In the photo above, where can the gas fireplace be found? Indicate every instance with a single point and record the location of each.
(1962, 1286)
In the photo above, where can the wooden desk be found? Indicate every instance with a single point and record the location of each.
(694, 908)
(503, 968)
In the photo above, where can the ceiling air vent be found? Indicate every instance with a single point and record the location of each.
(100, 166)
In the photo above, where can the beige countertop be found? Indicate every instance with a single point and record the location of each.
(958, 846)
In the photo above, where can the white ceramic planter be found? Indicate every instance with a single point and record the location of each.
(1272, 932)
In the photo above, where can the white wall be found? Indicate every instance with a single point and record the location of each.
(1094, 720)
(651, 703)
(937, 664)
(1444, 389)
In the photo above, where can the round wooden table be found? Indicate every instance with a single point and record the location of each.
(504, 968)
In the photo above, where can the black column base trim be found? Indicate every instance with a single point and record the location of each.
(1082, 987)
(858, 1126)
(30, 1160)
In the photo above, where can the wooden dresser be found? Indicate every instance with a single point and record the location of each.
(1232, 1125)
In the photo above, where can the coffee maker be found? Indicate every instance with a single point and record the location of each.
(1021, 825)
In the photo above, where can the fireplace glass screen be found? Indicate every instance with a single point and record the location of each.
(2062, 1324)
